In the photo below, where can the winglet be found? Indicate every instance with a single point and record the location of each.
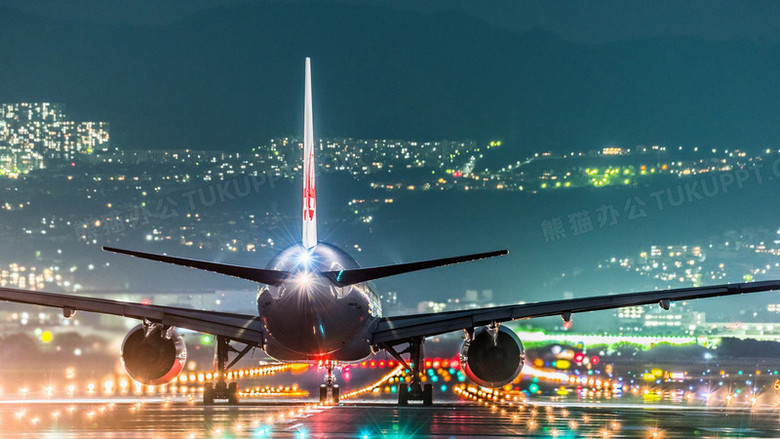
(309, 198)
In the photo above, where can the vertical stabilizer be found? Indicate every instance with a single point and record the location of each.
(309, 198)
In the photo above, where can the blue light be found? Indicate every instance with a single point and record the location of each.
(302, 433)
(262, 431)
(443, 387)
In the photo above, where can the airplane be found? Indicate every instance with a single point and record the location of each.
(315, 303)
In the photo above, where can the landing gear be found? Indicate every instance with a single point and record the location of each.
(329, 392)
(427, 395)
(208, 394)
(415, 390)
(221, 389)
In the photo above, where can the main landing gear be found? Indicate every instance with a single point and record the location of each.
(329, 391)
(416, 390)
(221, 389)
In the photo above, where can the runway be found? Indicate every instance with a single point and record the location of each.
(158, 418)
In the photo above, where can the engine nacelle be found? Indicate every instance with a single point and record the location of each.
(155, 357)
(489, 364)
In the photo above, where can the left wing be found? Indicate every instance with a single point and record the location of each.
(239, 327)
(399, 329)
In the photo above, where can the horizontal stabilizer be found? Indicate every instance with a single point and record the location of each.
(343, 278)
(260, 275)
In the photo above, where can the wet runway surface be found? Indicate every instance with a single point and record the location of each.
(127, 418)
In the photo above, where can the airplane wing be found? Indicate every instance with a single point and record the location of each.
(400, 329)
(239, 327)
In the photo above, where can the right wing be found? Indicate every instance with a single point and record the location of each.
(399, 329)
(239, 327)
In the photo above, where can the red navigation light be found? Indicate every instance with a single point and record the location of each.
(146, 302)
(594, 360)
(391, 363)
(457, 174)
(363, 364)
(579, 357)
(372, 364)
(381, 363)
(427, 364)
(567, 325)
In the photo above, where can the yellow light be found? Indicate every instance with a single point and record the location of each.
(46, 336)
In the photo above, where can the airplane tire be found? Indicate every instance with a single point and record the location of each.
(208, 394)
(335, 393)
(428, 394)
(323, 393)
(233, 393)
(403, 394)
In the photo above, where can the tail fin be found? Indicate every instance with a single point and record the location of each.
(309, 198)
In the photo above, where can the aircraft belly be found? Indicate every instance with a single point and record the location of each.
(308, 326)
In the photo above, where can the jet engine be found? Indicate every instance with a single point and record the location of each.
(153, 354)
(492, 357)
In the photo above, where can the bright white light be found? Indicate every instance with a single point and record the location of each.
(304, 278)
(304, 257)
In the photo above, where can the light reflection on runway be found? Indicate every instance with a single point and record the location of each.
(158, 418)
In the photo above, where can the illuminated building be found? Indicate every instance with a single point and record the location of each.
(677, 320)
(613, 150)
(40, 129)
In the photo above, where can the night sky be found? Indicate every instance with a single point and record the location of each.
(563, 76)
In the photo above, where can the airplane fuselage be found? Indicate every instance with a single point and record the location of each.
(307, 317)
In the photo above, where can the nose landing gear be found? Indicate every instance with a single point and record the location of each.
(329, 391)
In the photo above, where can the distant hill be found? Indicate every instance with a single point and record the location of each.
(232, 77)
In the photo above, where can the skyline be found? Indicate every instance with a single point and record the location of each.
(186, 188)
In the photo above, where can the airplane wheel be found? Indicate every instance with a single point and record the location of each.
(323, 393)
(403, 394)
(233, 393)
(428, 394)
(208, 394)
(335, 393)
